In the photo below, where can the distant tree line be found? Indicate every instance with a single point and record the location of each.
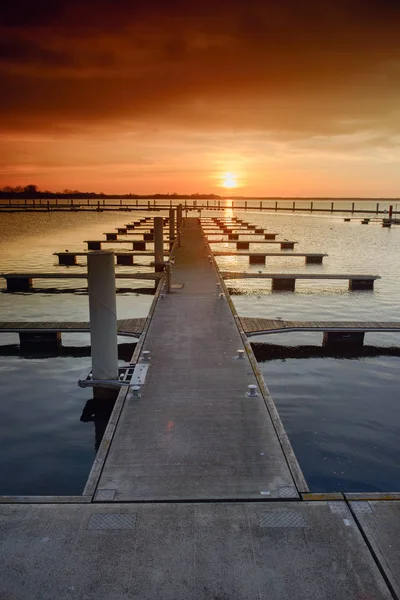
(31, 191)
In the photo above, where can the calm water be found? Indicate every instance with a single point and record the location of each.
(341, 415)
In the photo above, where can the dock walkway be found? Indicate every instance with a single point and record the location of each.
(194, 433)
(130, 327)
(255, 326)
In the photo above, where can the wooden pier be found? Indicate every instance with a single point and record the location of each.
(335, 333)
(244, 245)
(256, 258)
(124, 257)
(129, 327)
(195, 491)
(286, 281)
(23, 282)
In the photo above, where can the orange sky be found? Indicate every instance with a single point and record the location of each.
(292, 98)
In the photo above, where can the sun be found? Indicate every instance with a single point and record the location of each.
(229, 180)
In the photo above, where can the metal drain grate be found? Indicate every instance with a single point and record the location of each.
(112, 521)
(286, 518)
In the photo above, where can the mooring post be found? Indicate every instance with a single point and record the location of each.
(168, 277)
(103, 317)
(158, 244)
(179, 216)
(179, 223)
(391, 211)
(171, 226)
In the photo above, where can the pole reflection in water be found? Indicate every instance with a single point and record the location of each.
(98, 411)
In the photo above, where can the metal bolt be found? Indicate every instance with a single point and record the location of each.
(252, 393)
(146, 355)
(240, 353)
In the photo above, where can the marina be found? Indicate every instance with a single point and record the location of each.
(195, 472)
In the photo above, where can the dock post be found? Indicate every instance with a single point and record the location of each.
(19, 284)
(352, 208)
(67, 258)
(242, 245)
(171, 226)
(390, 211)
(103, 318)
(283, 285)
(179, 223)
(158, 244)
(361, 284)
(139, 245)
(343, 339)
(168, 277)
(179, 216)
(256, 259)
(36, 341)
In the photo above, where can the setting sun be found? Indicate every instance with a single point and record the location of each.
(229, 180)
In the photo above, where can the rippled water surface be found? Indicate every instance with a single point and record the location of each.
(341, 414)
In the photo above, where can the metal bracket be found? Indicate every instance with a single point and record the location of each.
(131, 375)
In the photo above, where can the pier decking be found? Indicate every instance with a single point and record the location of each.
(259, 257)
(254, 326)
(22, 282)
(132, 327)
(194, 433)
(286, 281)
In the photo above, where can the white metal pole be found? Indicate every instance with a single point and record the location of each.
(103, 315)
(158, 244)
(171, 225)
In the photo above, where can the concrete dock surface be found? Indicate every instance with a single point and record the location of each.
(211, 551)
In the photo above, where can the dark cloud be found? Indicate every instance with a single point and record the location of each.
(285, 67)
(26, 52)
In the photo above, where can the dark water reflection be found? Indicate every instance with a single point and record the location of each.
(342, 417)
(50, 428)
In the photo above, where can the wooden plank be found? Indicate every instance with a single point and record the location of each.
(251, 325)
(123, 325)
(279, 254)
(251, 275)
(137, 275)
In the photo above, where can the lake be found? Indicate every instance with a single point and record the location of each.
(342, 414)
